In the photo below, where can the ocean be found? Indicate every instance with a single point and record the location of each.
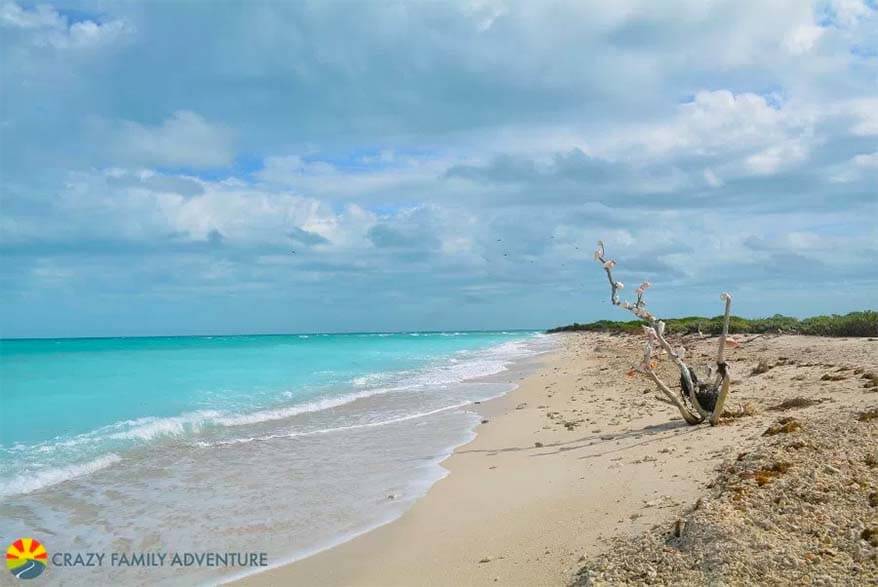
(282, 444)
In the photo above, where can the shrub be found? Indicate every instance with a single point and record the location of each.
(853, 324)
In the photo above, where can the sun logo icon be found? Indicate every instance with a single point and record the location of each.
(26, 558)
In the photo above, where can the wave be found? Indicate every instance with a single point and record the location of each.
(485, 363)
(405, 418)
(295, 410)
(142, 429)
(120, 436)
(468, 364)
(30, 482)
(149, 428)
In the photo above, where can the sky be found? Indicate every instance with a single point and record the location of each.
(258, 167)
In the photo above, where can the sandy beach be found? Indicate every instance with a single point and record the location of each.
(577, 456)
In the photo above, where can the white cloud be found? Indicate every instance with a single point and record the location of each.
(585, 131)
(737, 134)
(184, 139)
(713, 121)
(803, 38)
(485, 12)
(48, 27)
(858, 168)
(776, 157)
(13, 15)
(88, 33)
(848, 13)
(869, 160)
(865, 113)
(362, 179)
(711, 178)
(121, 205)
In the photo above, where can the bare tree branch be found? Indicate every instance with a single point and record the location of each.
(722, 374)
(656, 344)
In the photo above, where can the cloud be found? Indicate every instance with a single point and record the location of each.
(425, 174)
(866, 159)
(306, 237)
(865, 114)
(718, 121)
(185, 139)
(848, 13)
(414, 231)
(803, 38)
(47, 27)
(42, 16)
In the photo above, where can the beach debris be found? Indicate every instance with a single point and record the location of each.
(538, 444)
(833, 377)
(783, 426)
(699, 401)
(830, 469)
(762, 367)
(772, 518)
(571, 424)
(484, 560)
(745, 410)
(797, 402)
(766, 475)
(679, 527)
(485, 421)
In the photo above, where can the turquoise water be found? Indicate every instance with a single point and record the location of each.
(69, 399)
(76, 385)
(145, 444)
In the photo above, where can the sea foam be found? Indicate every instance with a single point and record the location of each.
(26, 483)
(72, 457)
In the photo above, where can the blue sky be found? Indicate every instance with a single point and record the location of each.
(433, 165)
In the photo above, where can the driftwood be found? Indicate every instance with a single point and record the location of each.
(699, 400)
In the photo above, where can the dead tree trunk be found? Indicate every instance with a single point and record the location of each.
(699, 401)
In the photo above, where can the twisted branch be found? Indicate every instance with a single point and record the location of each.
(722, 370)
(656, 344)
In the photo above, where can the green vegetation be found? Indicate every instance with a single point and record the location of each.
(853, 324)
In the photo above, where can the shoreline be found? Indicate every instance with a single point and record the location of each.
(354, 465)
(579, 464)
(525, 500)
(513, 375)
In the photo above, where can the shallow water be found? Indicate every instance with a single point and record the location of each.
(327, 437)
